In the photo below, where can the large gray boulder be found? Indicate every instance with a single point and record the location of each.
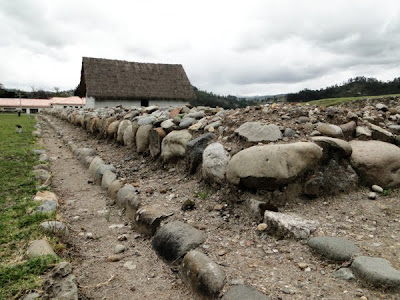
(334, 177)
(155, 138)
(186, 122)
(121, 130)
(129, 136)
(42, 176)
(330, 130)
(376, 162)
(61, 283)
(259, 132)
(174, 144)
(125, 193)
(334, 248)
(40, 248)
(332, 143)
(195, 149)
(99, 172)
(142, 138)
(108, 177)
(95, 163)
(85, 152)
(202, 274)
(55, 227)
(175, 239)
(381, 134)
(113, 129)
(215, 161)
(376, 271)
(271, 166)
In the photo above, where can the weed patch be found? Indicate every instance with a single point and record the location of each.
(18, 224)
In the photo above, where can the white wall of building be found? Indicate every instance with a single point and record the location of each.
(129, 103)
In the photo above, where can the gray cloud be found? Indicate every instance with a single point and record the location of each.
(228, 47)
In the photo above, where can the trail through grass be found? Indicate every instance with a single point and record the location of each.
(18, 225)
(335, 101)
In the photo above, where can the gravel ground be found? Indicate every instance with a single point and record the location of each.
(282, 269)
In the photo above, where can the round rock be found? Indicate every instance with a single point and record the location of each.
(376, 271)
(334, 248)
(241, 292)
(203, 275)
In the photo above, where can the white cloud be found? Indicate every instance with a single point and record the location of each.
(228, 47)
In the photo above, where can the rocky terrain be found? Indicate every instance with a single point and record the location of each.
(295, 201)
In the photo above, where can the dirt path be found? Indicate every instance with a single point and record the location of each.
(275, 267)
(85, 209)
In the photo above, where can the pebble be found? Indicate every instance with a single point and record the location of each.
(302, 265)
(119, 249)
(372, 195)
(76, 218)
(122, 237)
(237, 282)
(221, 252)
(262, 227)
(114, 226)
(377, 188)
(218, 207)
(114, 258)
(89, 235)
(129, 265)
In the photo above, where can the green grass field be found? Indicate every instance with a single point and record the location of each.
(336, 101)
(18, 225)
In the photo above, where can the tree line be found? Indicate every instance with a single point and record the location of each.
(205, 98)
(34, 93)
(354, 87)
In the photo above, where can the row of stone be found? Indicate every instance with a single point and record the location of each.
(374, 270)
(268, 166)
(175, 241)
(60, 283)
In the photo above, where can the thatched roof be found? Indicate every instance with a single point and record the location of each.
(116, 79)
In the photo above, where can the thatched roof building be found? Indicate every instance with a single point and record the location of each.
(106, 79)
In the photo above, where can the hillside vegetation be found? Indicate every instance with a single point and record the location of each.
(354, 87)
(335, 101)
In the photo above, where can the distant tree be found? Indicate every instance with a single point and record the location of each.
(357, 86)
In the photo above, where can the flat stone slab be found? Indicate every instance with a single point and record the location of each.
(334, 248)
(258, 132)
(376, 271)
(289, 225)
(241, 292)
(202, 274)
(40, 248)
(175, 239)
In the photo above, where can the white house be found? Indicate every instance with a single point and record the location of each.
(107, 83)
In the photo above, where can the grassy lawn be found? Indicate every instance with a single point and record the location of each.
(335, 101)
(18, 225)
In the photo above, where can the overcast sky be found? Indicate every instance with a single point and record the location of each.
(246, 47)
